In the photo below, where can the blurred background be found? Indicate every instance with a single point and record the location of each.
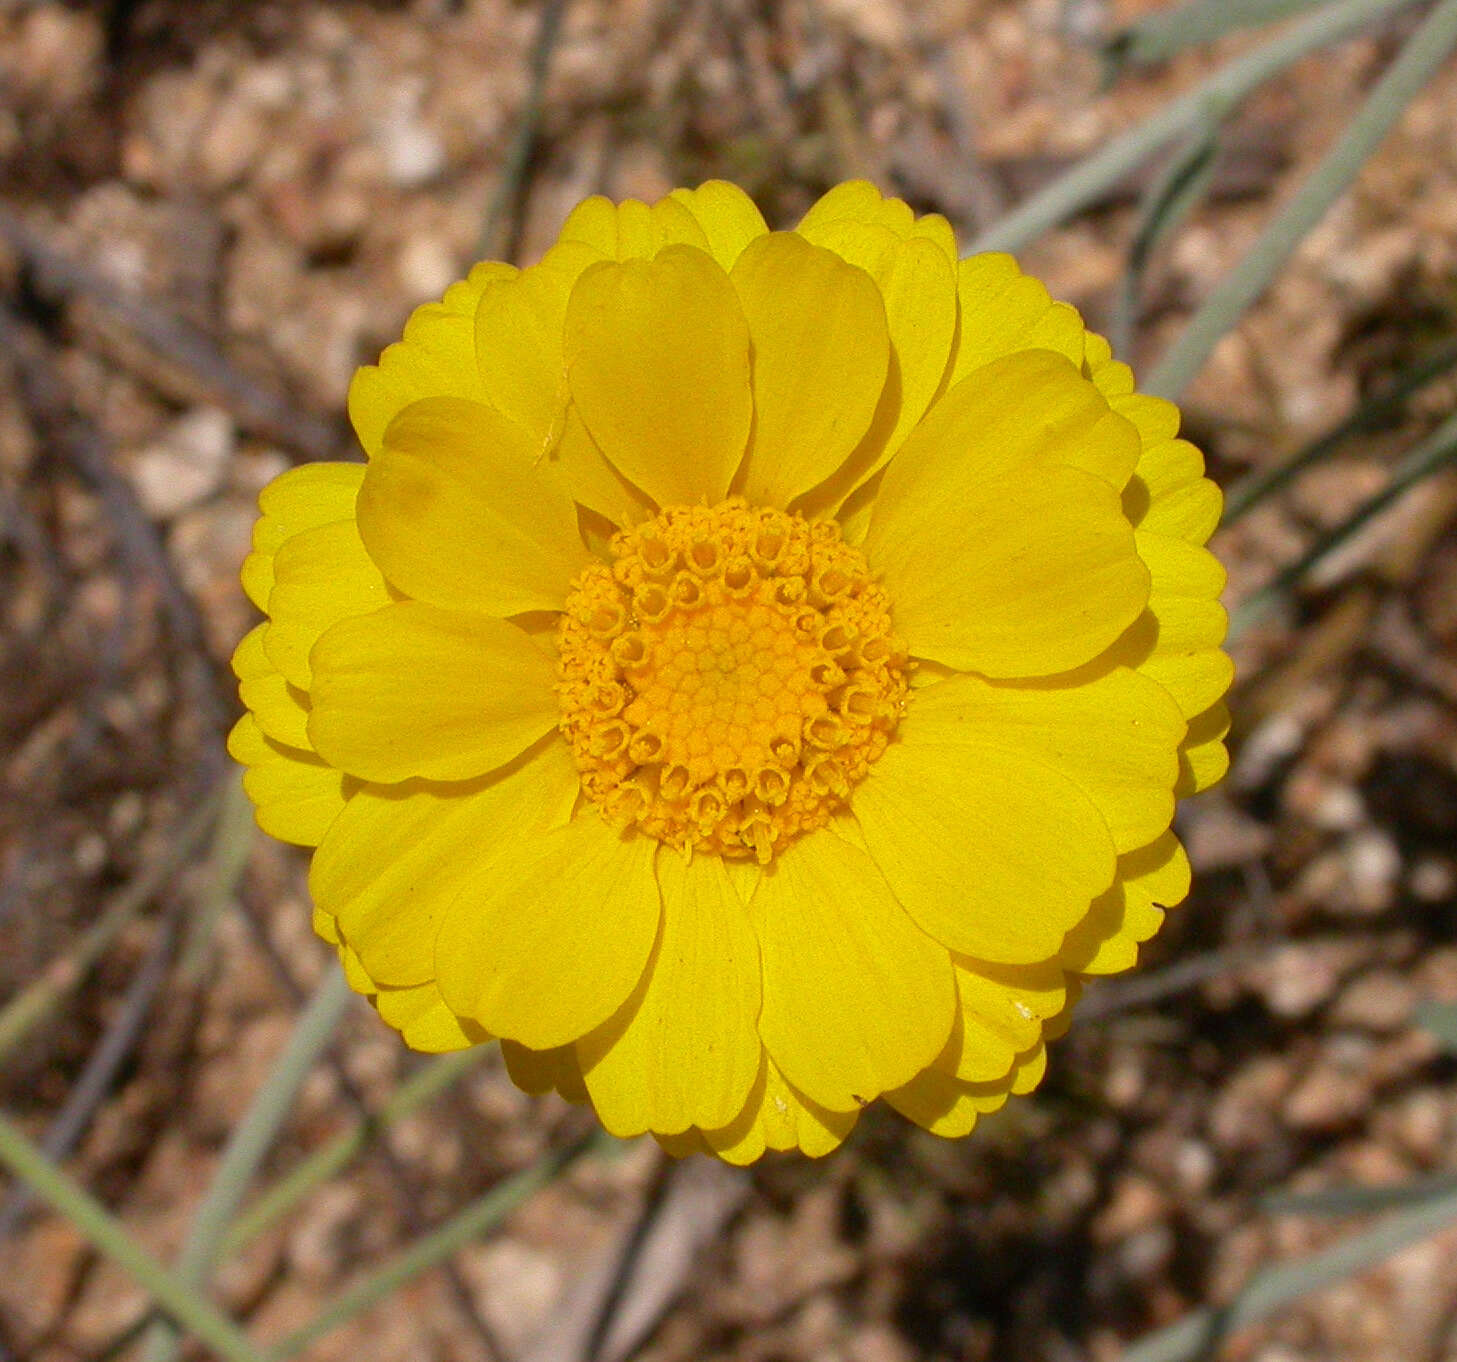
(211, 212)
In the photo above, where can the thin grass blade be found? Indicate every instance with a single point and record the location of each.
(1093, 176)
(1166, 33)
(1200, 1334)
(1441, 1020)
(39, 999)
(249, 1144)
(1423, 53)
(110, 1238)
(1359, 1200)
(430, 1250)
(1245, 495)
(313, 1171)
(1170, 199)
(1434, 453)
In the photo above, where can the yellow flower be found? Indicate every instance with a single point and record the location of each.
(752, 675)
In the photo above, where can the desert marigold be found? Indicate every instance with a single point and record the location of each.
(752, 675)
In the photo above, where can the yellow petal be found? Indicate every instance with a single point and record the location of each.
(1055, 1028)
(256, 575)
(249, 660)
(631, 230)
(684, 1049)
(587, 475)
(992, 852)
(320, 576)
(728, 217)
(1029, 1070)
(920, 306)
(295, 795)
(282, 710)
(945, 1105)
(1112, 377)
(675, 224)
(325, 927)
(1018, 415)
(436, 358)
(1155, 419)
(594, 223)
(1170, 495)
(302, 499)
(519, 348)
(1002, 1009)
(1178, 643)
(1019, 577)
(519, 324)
(519, 334)
(538, 1072)
(519, 954)
(658, 362)
(1004, 311)
(424, 1022)
(820, 348)
(856, 998)
(1204, 759)
(1115, 736)
(413, 690)
(1000, 511)
(860, 202)
(1097, 358)
(681, 1145)
(397, 857)
(778, 1116)
(354, 973)
(917, 283)
(1149, 880)
(455, 512)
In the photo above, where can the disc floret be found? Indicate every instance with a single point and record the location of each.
(728, 677)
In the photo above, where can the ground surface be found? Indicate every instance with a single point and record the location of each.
(214, 211)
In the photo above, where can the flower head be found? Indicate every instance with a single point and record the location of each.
(752, 675)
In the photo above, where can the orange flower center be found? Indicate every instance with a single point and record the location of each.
(728, 678)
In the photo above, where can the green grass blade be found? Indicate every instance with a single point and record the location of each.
(1081, 185)
(1424, 52)
(38, 1000)
(1168, 32)
(1245, 495)
(1433, 454)
(249, 1144)
(311, 1172)
(430, 1250)
(1170, 199)
(1359, 1200)
(1199, 1334)
(232, 845)
(107, 1234)
(1441, 1020)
